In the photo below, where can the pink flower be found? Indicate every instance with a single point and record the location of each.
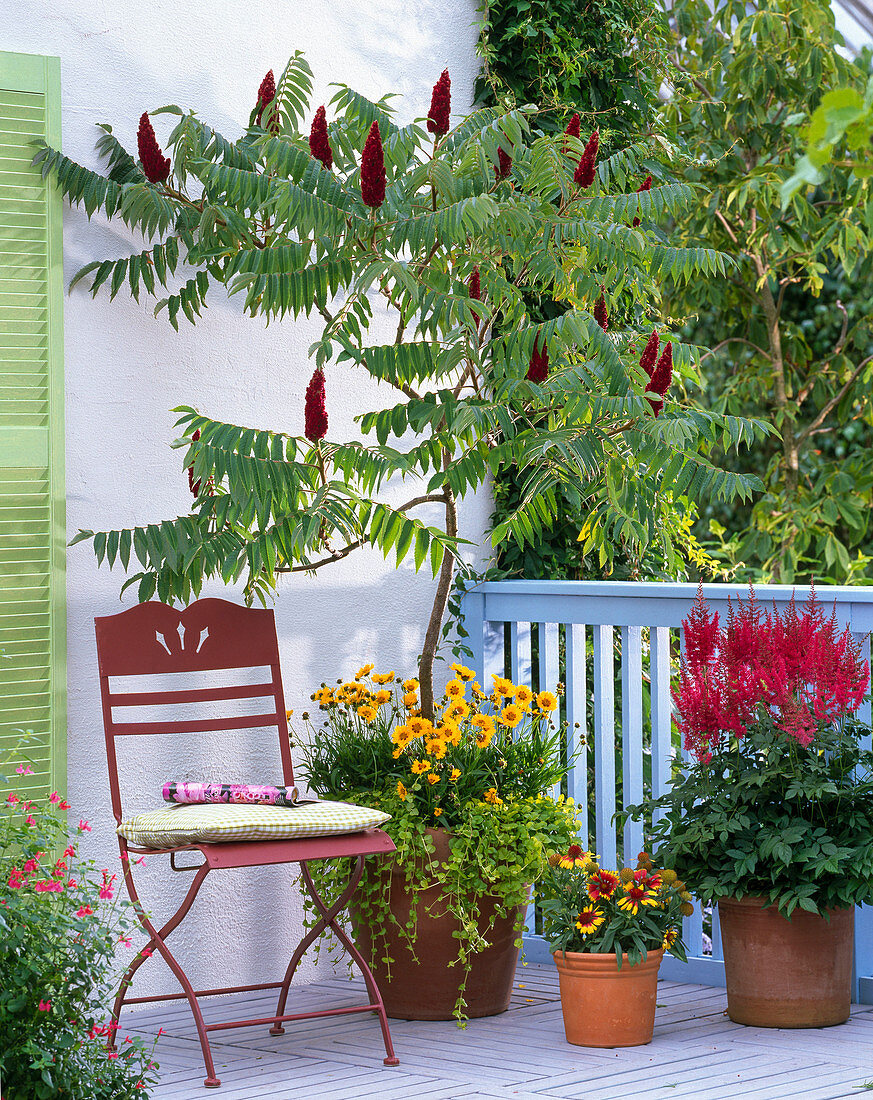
(106, 893)
(141, 860)
(319, 143)
(30, 820)
(24, 770)
(154, 164)
(440, 106)
(45, 1006)
(69, 852)
(147, 951)
(85, 911)
(373, 177)
(84, 827)
(15, 880)
(63, 805)
(315, 407)
(124, 940)
(54, 797)
(12, 799)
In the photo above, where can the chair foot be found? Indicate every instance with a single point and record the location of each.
(212, 1082)
(391, 1061)
(277, 1029)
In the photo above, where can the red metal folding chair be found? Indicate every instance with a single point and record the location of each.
(210, 635)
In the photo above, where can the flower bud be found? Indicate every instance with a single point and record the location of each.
(601, 316)
(319, 144)
(315, 410)
(440, 105)
(154, 164)
(373, 177)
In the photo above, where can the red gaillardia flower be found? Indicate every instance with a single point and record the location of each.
(538, 371)
(373, 178)
(662, 376)
(584, 174)
(474, 288)
(440, 105)
(650, 353)
(646, 185)
(315, 411)
(266, 94)
(154, 164)
(319, 145)
(504, 165)
(600, 314)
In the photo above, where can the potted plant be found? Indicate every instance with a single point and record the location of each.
(772, 814)
(441, 922)
(608, 932)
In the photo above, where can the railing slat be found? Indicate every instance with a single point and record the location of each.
(604, 746)
(662, 740)
(577, 747)
(632, 734)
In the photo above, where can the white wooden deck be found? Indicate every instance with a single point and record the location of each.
(697, 1052)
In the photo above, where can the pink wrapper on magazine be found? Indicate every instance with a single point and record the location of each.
(240, 794)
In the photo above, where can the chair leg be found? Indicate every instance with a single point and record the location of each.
(328, 920)
(157, 941)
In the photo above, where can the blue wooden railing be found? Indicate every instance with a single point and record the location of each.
(577, 629)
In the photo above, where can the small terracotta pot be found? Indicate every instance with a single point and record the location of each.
(604, 1006)
(786, 973)
(427, 989)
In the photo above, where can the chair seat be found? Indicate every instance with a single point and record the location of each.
(173, 826)
(258, 852)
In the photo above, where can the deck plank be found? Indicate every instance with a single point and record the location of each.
(697, 1053)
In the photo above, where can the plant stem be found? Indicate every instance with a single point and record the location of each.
(441, 600)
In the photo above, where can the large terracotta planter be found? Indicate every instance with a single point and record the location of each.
(604, 1006)
(786, 973)
(426, 986)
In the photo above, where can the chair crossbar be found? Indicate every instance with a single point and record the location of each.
(294, 1016)
(201, 725)
(202, 993)
(190, 695)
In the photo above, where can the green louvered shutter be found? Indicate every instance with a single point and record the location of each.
(32, 524)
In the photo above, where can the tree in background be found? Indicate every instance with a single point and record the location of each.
(456, 229)
(789, 329)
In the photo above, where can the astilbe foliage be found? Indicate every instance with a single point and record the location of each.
(154, 164)
(315, 408)
(373, 177)
(795, 670)
(319, 143)
(440, 106)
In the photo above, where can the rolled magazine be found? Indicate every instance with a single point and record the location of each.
(236, 794)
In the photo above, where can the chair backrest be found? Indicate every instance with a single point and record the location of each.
(209, 636)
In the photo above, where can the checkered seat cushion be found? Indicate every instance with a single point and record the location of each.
(215, 823)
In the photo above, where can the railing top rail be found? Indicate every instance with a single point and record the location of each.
(671, 590)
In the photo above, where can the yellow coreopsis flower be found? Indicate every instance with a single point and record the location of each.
(492, 796)
(523, 696)
(382, 697)
(365, 670)
(436, 746)
(463, 672)
(401, 790)
(437, 811)
(382, 677)
(410, 685)
(451, 732)
(433, 778)
(457, 710)
(401, 735)
(367, 712)
(455, 774)
(502, 686)
(455, 689)
(546, 701)
(419, 767)
(420, 727)
(511, 715)
(410, 699)
(477, 690)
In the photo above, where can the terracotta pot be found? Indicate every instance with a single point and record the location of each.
(786, 973)
(604, 1006)
(427, 989)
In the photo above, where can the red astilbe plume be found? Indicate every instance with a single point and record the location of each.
(650, 353)
(796, 669)
(373, 177)
(601, 316)
(646, 185)
(538, 371)
(319, 144)
(503, 166)
(474, 289)
(661, 378)
(440, 106)
(572, 130)
(585, 169)
(154, 164)
(266, 95)
(315, 408)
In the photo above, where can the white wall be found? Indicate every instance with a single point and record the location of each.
(125, 370)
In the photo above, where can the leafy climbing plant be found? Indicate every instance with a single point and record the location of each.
(456, 229)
